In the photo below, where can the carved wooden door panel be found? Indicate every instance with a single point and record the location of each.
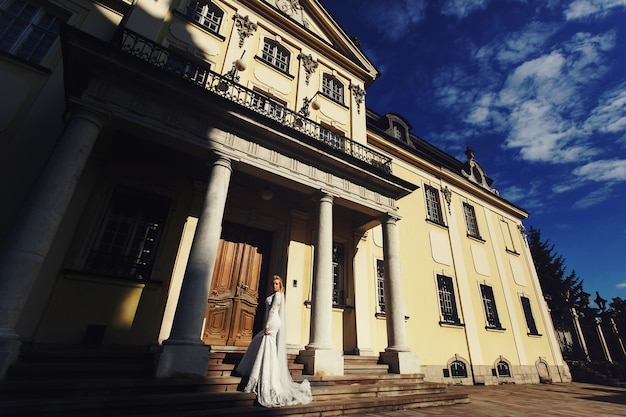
(234, 295)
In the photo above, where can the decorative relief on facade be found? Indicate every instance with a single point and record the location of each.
(309, 65)
(293, 9)
(474, 172)
(359, 96)
(245, 27)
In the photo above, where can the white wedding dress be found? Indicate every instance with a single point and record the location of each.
(265, 362)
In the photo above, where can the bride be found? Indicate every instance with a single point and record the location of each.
(265, 361)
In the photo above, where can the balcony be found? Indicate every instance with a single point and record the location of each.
(227, 87)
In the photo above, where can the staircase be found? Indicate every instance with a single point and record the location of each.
(118, 382)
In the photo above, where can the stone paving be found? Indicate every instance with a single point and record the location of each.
(560, 400)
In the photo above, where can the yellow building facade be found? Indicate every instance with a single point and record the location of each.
(165, 159)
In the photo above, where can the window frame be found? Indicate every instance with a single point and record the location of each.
(448, 309)
(205, 17)
(471, 221)
(434, 212)
(490, 308)
(531, 324)
(138, 212)
(27, 41)
(380, 287)
(339, 274)
(275, 55)
(333, 88)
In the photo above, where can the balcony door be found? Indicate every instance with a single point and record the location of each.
(239, 282)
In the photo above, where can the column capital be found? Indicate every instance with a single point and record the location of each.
(93, 116)
(324, 196)
(390, 217)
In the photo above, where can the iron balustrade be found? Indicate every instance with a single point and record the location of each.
(227, 86)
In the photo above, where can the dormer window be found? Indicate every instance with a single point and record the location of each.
(398, 132)
(332, 88)
(205, 14)
(276, 55)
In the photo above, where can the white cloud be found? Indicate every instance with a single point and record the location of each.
(594, 198)
(620, 285)
(609, 116)
(579, 9)
(462, 8)
(398, 16)
(603, 170)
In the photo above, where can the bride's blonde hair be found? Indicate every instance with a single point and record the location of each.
(280, 280)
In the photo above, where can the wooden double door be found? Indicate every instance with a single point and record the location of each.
(234, 312)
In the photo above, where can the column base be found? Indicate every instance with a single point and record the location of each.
(321, 362)
(401, 362)
(183, 360)
(9, 351)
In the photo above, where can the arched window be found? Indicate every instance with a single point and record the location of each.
(503, 369)
(276, 55)
(206, 14)
(332, 88)
(458, 369)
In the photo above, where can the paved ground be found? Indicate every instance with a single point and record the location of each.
(560, 400)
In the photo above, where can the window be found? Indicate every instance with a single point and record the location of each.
(196, 73)
(28, 30)
(205, 14)
(398, 131)
(447, 300)
(503, 369)
(470, 221)
(530, 320)
(508, 237)
(332, 88)
(489, 303)
(129, 236)
(380, 285)
(275, 55)
(433, 205)
(339, 293)
(458, 369)
(331, 137)
(270, 107)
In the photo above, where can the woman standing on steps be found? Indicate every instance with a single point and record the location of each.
(265, 361)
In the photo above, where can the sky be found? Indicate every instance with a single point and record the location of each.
(536, 87)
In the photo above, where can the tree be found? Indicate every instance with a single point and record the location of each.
(562, 292)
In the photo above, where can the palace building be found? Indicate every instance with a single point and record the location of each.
(162, 160)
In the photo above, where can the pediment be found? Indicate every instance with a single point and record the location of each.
(316, 22)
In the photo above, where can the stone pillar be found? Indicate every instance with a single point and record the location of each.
(184, 353)
(25, 249)
(602, 339)
(397, 355)
(579, 334)
(319, 357)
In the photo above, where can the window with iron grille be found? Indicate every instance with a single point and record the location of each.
(28, 29)
(489, 304)
(129, 236)
(275, 55)
(447, 300)
(503, 369)
(380, 285)
(458, 369)
(530, 319)
(470, 221)
(433, 205)
(339, 292)
(205, 14)
(332, 88)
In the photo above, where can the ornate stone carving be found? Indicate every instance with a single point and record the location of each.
(245, 27)
(474, 172)
(309, 64)
(359, 96)
(293, 9)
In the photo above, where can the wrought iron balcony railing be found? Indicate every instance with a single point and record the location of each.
(227, 86)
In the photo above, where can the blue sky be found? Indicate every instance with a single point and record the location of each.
(536, 87)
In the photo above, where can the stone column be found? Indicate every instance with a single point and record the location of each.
(184, 353)
(319, 357)
(397, 355)
(25, 249)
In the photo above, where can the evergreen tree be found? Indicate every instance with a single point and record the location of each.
(562, 292)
